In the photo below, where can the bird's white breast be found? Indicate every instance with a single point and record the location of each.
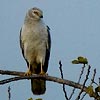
(34, 38)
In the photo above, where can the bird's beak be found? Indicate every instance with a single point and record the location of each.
(41, 16)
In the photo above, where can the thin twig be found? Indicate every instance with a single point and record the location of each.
(92, 81)
(93, 77)
(9, 93)
(64, 90)
(88, 71)
(83, 96)
(82, 71)
(72, 93)
(99, 81)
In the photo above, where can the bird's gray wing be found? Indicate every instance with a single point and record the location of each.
(22, 47)
(21, 44)
(45, 67)
(49, 38)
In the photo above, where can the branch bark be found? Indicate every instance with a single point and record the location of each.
(21, 76)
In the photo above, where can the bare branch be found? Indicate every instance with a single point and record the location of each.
(9, 93)
(15, 73)
(21, 76)
(64, 90)
(92, 81)
(93, 77)
(82, 71)
(99, 80)
(88, 71)
(48, 78)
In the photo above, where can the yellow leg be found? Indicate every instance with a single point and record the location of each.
(42, 72)
(28, 73)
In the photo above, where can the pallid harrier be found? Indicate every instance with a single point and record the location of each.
(35, 43)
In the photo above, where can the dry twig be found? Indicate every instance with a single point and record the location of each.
(93, 77)
(48, 78)
(64, 90)
(9, 93)
(88, 71)
(82, 71)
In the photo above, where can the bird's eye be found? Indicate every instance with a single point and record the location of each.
(36, 13)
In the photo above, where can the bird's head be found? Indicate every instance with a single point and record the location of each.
(35, 13)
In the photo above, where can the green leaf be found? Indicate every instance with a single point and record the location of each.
(30, 99)
(82, 60)
(39, 99)
(35, 99)
(75, 62)
(90, 91)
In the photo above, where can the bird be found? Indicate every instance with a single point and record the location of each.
(35, 43)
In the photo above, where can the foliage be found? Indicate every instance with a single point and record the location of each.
(80, 60)
(35, 99)
(30, 99)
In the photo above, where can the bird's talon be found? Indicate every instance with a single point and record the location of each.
(42, 73)
(28, 73)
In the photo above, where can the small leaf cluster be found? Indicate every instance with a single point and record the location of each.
(80, 60)
(93, 93)
(35, 99)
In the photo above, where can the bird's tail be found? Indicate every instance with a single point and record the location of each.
(38, 86)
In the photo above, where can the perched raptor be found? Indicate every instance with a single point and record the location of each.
(35, 43)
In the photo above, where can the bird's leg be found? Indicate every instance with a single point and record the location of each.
(28, 73)
(42, 72)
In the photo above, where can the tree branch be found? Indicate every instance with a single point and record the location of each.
(88, 71)
(15, 73)
(80, 76)
(21, 76)
(64, 90)
(9, 93)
